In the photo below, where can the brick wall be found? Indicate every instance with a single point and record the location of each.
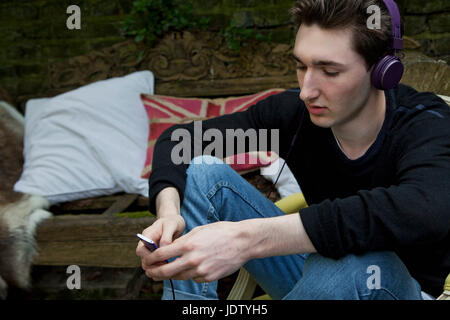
(428, 22)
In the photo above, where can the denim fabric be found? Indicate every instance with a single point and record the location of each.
(215, 192)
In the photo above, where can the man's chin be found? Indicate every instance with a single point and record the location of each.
(321, 121)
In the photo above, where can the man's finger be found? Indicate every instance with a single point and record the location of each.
(167, 235)
(185, 275)
(173, 269)
(175, 249)
(140, 249)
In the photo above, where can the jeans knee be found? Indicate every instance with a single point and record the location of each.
(206, 167)
(368, 276)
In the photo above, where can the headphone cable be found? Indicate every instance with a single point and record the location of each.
(289, 152)
(173, 290)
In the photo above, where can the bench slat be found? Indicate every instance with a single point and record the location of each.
(90, 240)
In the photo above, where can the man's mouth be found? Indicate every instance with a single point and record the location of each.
(316, 110)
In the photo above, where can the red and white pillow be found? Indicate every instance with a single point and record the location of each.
(164, 112)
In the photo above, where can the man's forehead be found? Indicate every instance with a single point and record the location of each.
(322, 45)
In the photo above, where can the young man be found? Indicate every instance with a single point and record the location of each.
(374, 167)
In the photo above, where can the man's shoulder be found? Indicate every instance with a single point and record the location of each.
(419, 113)
(409, 98)
(412, 106)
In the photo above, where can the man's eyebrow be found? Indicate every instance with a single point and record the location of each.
(319, 62)
(293, 56)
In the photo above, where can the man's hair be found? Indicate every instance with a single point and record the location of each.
(371, 44)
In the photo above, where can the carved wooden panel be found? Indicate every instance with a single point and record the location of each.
(184, 64)
(200, 64)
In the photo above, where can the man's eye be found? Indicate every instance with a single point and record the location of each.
(331, 73)
(302, 68)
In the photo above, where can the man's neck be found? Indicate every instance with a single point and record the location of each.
(356, 137)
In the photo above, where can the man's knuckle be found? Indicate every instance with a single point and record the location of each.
(156, 255)
(202, 271)
(148, 273)
(189, 246)
(193, 262)
(165, 274)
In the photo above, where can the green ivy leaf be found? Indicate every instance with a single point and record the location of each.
(150, 19)
(139, 38)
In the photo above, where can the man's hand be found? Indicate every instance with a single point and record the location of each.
(169, 226)
(164, 230)
(210, 252)
(205, 254)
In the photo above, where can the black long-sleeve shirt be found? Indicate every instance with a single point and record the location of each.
(395, 197)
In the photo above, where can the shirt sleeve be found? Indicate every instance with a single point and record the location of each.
(413, 212)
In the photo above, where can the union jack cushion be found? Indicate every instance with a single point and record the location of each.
(164, 112)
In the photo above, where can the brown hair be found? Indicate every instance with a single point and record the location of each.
(371, 44)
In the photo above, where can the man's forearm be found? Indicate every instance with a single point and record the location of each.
(276, 236)
(167, 202)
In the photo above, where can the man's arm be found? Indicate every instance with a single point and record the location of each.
(215, 250)
(282, 235)
(265, 237)
(410, 213)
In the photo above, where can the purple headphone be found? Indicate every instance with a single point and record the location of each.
(389, 70)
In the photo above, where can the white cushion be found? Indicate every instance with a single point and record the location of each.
(286, 184)
(88, 142)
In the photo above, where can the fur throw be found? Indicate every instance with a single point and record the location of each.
(19, 213)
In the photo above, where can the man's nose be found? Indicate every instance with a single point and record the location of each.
(309, 89)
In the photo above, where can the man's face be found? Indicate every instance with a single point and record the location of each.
(334, 81)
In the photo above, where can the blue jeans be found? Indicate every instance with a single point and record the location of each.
(215, 192)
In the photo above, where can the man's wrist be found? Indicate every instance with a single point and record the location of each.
(254, 240)
(168, 202)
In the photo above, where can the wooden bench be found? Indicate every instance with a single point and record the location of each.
(102, 231)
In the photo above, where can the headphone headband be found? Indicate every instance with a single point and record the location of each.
(397, 42)
(388, 72)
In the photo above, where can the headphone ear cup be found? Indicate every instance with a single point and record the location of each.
(387, 73)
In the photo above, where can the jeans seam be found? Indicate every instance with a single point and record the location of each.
(212, 209)
(383, 289)
(204, 289)
(225, 184)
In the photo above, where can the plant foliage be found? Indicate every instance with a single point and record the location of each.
(237, 36)
(151, 19)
